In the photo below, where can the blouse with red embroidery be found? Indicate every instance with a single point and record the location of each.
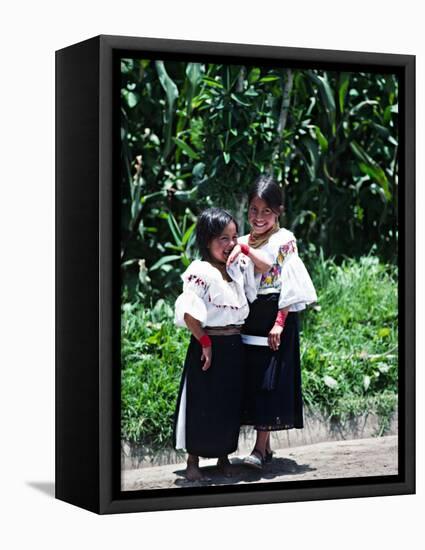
(213, 301)
(288, 275)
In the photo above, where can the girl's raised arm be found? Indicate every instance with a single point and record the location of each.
(262, 261)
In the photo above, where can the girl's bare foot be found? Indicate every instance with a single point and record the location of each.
(193, 472)
(224, 466)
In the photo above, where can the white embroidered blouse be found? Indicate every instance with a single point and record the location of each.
(288, 275)
(213, 301)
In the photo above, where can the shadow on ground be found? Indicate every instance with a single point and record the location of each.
(46, 487)
(242, 473)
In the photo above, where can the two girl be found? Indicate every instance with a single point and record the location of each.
(225, 382)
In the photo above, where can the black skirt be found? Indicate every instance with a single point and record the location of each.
(272, 393)
(213, 412)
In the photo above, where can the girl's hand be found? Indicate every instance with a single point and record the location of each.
(207, 357)
(274, 337)
(234, 254)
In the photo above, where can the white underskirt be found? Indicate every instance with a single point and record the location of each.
(181, 421)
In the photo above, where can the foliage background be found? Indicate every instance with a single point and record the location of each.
(197, 134)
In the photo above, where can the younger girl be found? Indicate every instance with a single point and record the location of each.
(271, 336)
(213, 306)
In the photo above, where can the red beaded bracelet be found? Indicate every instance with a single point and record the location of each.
(205, 341)
(281, 318)
(245, 249)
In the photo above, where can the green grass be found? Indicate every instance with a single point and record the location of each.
(348, 351)
(152, 352)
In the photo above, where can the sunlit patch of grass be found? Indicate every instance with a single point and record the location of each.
(349, 344)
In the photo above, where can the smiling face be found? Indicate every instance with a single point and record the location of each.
(260, 216)
(221, 246)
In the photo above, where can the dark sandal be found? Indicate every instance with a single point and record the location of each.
(268, 457)
(254, 460)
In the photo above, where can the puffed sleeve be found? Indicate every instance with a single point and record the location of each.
(297, 289)
(250, 281)
(192, 299)
(243, 272)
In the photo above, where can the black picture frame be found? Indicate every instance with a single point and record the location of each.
(87, 279)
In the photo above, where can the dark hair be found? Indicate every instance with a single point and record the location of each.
(210, 224)
(266, 188)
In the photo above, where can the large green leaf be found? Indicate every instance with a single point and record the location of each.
(360, 153)
(371, 168)
(239, 98)
(172, 93)
(188, 234)
(145, 198)
(312, 160)
(362, 105)
(269, 78)
(212, 82)
(381, 130)
(342, 92)
(327, 95)
(323, 142)
(131, 97)
(377, 174)
(186, 148)
(164, 260)
(194, 77)
(188, 195)
(253, 75)
(174, 228)
(194, 74)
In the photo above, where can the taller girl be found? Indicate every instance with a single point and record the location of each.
(273, 398)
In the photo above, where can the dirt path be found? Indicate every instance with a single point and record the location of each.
(334, 459)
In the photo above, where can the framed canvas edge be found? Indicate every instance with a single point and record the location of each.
(178, 46)
(407, 305)
(110, 500)
(268, 496)
(77, 284)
